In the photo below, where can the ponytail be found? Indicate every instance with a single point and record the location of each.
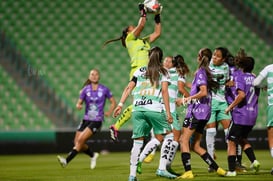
(180, 65)
(205, 57)
(122, 38)
(109, 41)
(87, 82)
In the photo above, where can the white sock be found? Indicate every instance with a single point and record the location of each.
(271, 151)
(210, 140)
(165, 150)
(135, 151)
(172, 153)
(149, 147)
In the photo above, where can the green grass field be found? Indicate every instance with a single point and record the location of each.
(115, 167)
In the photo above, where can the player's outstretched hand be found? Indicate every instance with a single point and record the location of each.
(117, 111)
(142, 10)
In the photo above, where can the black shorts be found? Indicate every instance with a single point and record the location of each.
(238, 132)
(196, 124)
(94, 126)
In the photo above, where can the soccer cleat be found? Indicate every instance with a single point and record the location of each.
(132, 178)
(240, 168)
(255, 165)
(113, 133)
(165, 173)
(149, 158)
(221, 172)
(231, 174)
(93, 162)
(170, 170)
(186, 175)
(62, 161)
(139, 168)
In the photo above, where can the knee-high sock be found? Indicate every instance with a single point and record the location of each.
(209, 160)
(271, 152)
(71, 155)
(210, 140)
(149, 147)
(135, 151)
(172, 153)
(125, 116)
(231, 162)
(186, 160)
(250, 154)
(165, 151)
(89, 152)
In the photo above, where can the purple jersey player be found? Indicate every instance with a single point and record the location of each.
(94, 96)
(244, 110)
(95, 101)
(199, 108)
(198, 114)
(230, 88)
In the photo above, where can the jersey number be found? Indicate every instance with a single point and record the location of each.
(144, 91)
(252, 93)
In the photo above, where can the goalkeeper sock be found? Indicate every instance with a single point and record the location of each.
(126, 115)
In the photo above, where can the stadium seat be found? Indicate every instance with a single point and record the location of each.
(17, 108)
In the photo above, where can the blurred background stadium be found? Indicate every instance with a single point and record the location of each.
(48, 47)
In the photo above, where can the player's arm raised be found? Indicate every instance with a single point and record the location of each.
(157, 30)
(142, 21)
(127, 91)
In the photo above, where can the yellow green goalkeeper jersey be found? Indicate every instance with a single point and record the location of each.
(138, 51)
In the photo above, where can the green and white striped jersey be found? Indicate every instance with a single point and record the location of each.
(147, 97)
(173, 88)
(220, 74)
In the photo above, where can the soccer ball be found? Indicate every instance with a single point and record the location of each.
(152, 6)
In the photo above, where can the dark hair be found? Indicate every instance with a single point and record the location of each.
(180, 65)
(244, 62)
(155, 66)
(122, 38)
(205, 55)
(241, 53)
(225, 52)
(230, 60)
